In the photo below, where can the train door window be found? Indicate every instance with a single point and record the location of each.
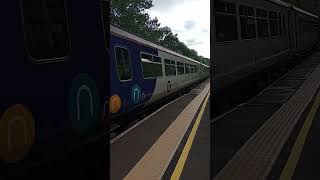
(151, 66)
(170, 67)
(247, 22)
(187, 66)
(274, 24)
(226, 21)
(262, 22)
(46, 31)
(180, 68)
(123, 63)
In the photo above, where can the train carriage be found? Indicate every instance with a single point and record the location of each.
(142, 72)
(251, 35)
(52, 88)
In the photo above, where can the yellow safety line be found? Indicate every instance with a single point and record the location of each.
(293, 159)
(184, 155)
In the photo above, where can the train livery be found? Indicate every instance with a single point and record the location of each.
(53, 88)
(142, 72)
(248, 35)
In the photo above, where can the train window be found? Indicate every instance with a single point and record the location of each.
(46, 31)
(262, 13)
(187, 67)
(225, 7)
(123, 64)
(151, 66)
(170, 67)
(284, 25)
(156, 59)
(274, 23)
(247, 22)
(193, 69)
(280, 24)
(262, 22)
(226, 21)
(180, 68)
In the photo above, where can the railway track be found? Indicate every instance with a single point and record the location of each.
(119, 127)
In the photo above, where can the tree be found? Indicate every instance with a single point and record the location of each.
(131, 15)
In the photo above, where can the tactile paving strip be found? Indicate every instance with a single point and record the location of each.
(256, 157)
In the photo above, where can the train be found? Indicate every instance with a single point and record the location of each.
(53, 89)
(142, 73)
(249, 36)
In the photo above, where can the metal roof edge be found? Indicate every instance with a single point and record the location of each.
(123, 32)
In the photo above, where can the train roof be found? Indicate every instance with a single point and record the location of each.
(121, 32)
(285, 4)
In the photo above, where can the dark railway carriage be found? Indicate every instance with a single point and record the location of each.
(251, 35)
(53, 64)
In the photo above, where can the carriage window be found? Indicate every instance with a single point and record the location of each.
(170, 67)
(193, 69)
(262, 22)
(248, 22)
(284, 25)
(226, 21)
(274, 23)
(123, 63)
(156, 59)
(180, 68)
(151, 66)
(187, 66)
(280, 24)
(46, 31)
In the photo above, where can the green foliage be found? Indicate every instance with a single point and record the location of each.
(131, 15)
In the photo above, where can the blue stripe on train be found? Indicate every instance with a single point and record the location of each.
(137, 91)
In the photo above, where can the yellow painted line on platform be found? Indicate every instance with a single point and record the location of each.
(293, 159)
(184, 155)
(156, 160)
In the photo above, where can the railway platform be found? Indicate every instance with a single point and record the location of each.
(275, 134)
(172, 142)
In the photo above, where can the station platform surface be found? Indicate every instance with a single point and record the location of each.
(274, 135)
(171, 143)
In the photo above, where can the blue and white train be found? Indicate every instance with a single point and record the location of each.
(143, 72)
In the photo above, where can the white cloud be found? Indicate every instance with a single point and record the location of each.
(190, 19)
(188, 25)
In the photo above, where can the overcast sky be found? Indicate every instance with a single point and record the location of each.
(190, 19)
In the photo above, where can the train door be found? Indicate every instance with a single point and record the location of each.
(292, 30)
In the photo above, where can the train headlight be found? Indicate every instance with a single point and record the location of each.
(115, 104)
